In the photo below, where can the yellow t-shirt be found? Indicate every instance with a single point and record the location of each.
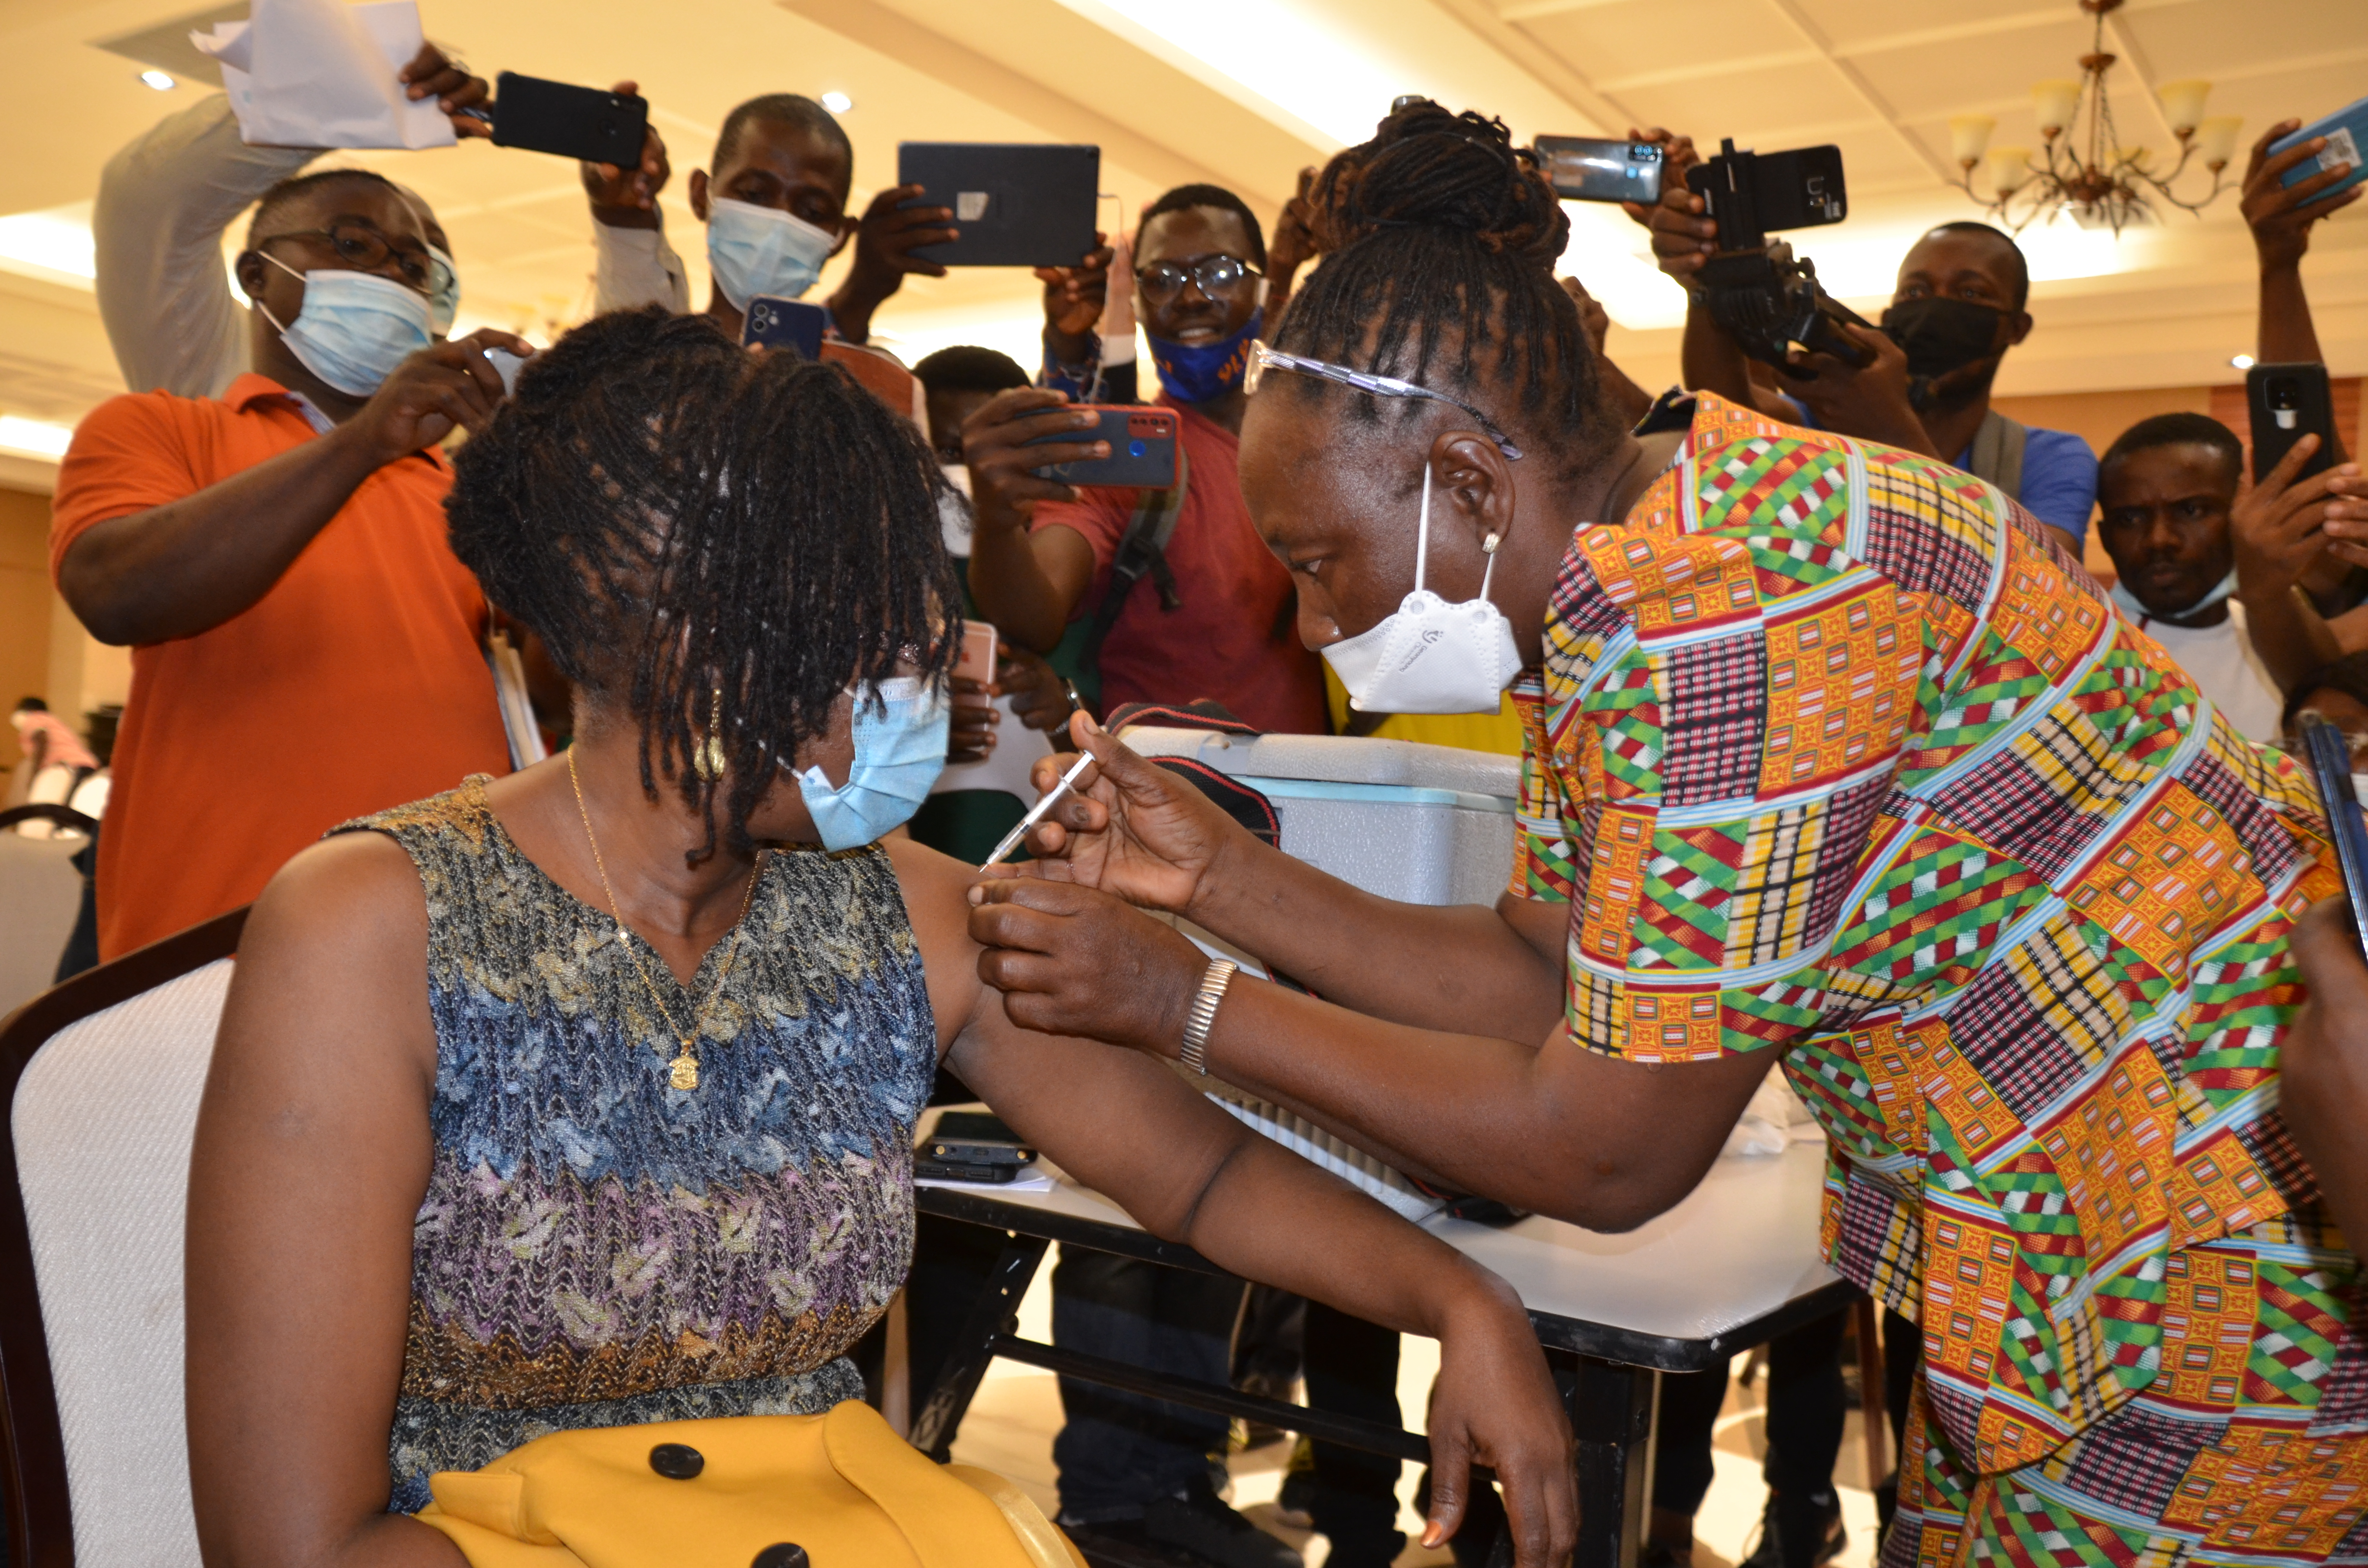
(1499, 732)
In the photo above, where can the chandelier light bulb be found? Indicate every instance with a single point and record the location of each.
(2215, 140)
(1968, 134)
(2010, 166)
(2052, 103)
(2182, 104)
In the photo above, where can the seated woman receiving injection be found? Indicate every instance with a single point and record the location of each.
(586, 1097)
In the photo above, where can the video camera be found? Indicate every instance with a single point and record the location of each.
(1769, 305)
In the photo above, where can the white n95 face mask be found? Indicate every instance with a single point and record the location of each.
(756, 250)
(1430, 656)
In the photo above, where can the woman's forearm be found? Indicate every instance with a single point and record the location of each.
(1557, 1128)
(1456, 967)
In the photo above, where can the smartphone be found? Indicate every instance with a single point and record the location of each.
(2344, 130)
(2287, 403)
(586, 124)
(1758, 193)
(927, 1169)
(1593, 168)
(784, 323)
(506, 365)
(1142, 444)
(2331, 760)
(1015, 204)
(975, 1138)
(977, 660)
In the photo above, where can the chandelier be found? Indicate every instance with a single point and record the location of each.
(2087, 173)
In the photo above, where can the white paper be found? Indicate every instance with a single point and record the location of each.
(324, 73)
(1034, 1181)
(1006, 768)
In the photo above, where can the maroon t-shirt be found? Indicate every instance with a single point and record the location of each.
(1234, 638)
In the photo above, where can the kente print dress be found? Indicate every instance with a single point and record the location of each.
(596, 1248)
(1832, 755)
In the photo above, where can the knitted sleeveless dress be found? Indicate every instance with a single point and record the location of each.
(596, 1248)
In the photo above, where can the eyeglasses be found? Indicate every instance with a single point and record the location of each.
(1263, 359)
(365, 249)
(1215, 274)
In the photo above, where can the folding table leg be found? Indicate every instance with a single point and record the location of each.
(933, 1429)
(1612, 1410)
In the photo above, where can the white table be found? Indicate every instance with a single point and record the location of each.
(1731, 1266)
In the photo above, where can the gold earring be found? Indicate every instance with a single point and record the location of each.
(708, 760)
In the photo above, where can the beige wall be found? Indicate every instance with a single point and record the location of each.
(45, 652)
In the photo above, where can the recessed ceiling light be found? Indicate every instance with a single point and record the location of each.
(2242, 361)
(159, 80)
(838, 103)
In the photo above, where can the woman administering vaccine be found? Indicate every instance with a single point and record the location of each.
(1832, 760)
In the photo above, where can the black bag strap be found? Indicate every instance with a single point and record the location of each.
(1142, 551)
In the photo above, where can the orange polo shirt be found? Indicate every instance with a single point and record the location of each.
(357, 683)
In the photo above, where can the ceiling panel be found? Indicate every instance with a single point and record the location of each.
(2199, 40)
(1847, 23)
(1740, 96)
(1605, 44)
(1943, 76)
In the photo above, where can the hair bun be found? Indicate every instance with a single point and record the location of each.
(1427, 168)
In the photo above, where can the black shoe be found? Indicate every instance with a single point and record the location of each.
(1122, 1545)
(1814, 1522)
(1197, 1521)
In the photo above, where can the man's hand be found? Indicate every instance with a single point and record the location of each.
(1038, 696)
(2275, 528)
(628, 198)
(972, 735)
(1072, 960)
(430, 74)
(431, 395)
(1075, 298)
(1869, 404)
(1682, 231)
(1293, 244)
(1003, 491)
(2280, 215)
(885, 238)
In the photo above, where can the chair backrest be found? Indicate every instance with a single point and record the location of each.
(40, 894)
(104, 1074)
(1419, 824)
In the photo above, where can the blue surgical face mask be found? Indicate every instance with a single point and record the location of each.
(2138, 612)
(758, 250)
(354, 327)
(1196, 372)
(443, 293)
(900, 749)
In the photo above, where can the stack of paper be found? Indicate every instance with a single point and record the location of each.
(323, 73)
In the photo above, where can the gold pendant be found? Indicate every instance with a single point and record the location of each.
(684, 1074)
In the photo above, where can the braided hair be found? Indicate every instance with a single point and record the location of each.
(1439, 238)
(703, 532)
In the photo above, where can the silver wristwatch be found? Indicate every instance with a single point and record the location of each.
(1204, 1013)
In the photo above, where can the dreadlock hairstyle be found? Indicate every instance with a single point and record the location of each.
(708, 532)
(1438, 239)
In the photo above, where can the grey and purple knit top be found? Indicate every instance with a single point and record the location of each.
(596, 1248)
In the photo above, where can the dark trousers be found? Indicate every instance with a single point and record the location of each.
(1119, 1451)
(1806, 1405)
(1353, 1369)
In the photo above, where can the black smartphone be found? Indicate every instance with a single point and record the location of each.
(2330, 761)
(928, 1169)
(1142, 443)
(1593, 168)
(1015, 204)
(2287, 403)
(1753, 194)
(568, 121)
(784, 323)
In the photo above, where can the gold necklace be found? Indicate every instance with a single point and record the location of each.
(683, 1071)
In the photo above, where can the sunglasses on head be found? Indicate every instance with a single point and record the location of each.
(1263, 359)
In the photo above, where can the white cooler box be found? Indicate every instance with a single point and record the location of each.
(1419, 823)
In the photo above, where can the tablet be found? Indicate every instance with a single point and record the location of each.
(1017, 204)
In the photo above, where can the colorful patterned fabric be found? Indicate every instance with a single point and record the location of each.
(1832, 752)
(597, 1248)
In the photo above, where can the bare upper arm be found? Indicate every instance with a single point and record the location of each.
(936, 888)
(1544, 924)
(312, 1155)
(1066, 559)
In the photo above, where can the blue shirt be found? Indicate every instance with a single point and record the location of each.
(2059, 474)
(2059, 479)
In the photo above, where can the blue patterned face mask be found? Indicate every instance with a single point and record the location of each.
(354, 328)
(1196, 372)
(756, 250)
(900, 749)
